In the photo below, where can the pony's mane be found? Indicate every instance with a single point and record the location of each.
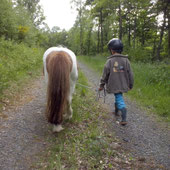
(59, 66)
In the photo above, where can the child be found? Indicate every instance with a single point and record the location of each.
(117, 76)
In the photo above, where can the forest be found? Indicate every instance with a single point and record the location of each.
(143, 26)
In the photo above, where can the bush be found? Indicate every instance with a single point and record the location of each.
(17, 60)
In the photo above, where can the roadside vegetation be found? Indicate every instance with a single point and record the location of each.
(151, 87)
(18, 65)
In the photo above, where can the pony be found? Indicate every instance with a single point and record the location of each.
(61, 73)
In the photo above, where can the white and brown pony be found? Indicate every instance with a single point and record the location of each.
(60, 69)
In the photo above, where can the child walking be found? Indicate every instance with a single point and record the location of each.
(117, 76)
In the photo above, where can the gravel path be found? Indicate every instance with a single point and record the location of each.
(144, 136)
(25, 132)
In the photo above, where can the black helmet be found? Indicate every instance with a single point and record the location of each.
(116, 45)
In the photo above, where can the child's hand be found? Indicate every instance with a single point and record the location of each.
(100, 89)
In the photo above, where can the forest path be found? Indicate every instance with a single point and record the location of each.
(143, 136)
(25, 132)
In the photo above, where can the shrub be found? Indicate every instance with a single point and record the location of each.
(17, 60)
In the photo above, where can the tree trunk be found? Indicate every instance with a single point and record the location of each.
(143, 33)
(134, 35)
(89, 40)
(169, 32)
(154, 49)
(158, 57)
(101, 29)
(129, 34)
(98, 39)
(81, 31)
(120, 22)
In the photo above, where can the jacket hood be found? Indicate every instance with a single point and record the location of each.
(118, 55)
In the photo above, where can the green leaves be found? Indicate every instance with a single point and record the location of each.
(16, 60)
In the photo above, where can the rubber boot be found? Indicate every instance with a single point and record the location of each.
(124, 113)
(116, 110)
(115, 113)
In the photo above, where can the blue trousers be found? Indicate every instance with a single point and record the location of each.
(119, 101)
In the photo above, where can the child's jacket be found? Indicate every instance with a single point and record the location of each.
(117, 74)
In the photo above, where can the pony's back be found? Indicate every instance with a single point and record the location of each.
(58, 67)
(74, 71)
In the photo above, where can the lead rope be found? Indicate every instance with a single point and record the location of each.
(98, 95)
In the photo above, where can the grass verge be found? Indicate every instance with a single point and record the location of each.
(18, 64)
(152, 84)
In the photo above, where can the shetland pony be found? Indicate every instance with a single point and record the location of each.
(60, 69)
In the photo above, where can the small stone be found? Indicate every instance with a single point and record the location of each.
(142, 159)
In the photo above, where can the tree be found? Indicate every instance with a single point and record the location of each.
(164, 8)
(7, 20)
(34, 10)
(79, 5)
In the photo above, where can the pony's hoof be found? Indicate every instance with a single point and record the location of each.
(57, 128)
(70, 117)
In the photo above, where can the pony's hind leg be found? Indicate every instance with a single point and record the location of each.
(57, 128)
(68, 110)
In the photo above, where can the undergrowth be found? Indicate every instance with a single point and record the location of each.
(151, 87)
(18, 62)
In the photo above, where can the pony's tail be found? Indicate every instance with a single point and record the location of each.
(59, 65)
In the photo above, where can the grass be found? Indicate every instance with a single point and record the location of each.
(18, 64)
(152, 84)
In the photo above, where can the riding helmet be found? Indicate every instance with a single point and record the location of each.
(116, 45)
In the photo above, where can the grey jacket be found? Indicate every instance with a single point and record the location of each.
(117, 74)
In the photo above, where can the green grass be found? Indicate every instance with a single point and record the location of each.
(151, 87)
(18, 64)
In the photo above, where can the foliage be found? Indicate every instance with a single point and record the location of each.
(16, 61)
(34, 10)
(19, 23)
(7, 20)
(140, 25)
(152, 87)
